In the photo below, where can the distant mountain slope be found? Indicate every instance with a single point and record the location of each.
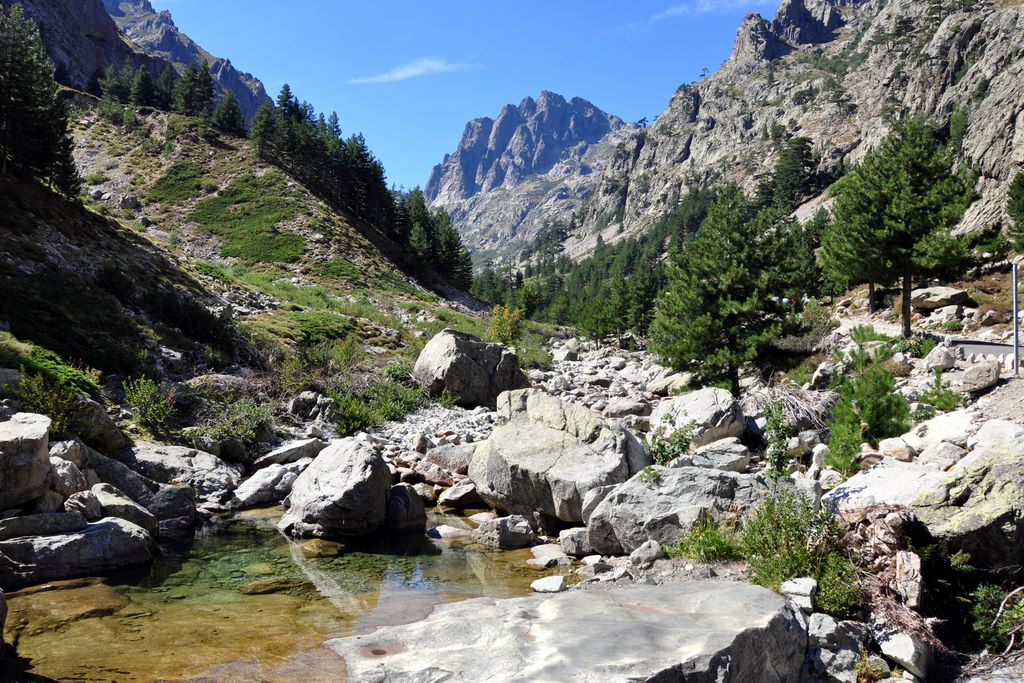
(81, 39)
(836, 71)
(498, 183)
(156, 32)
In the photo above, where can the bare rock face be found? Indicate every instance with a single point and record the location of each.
(834, 71)
(472, 371)
(156, 32)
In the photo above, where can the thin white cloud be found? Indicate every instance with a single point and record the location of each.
(424, 66)
(696, 7)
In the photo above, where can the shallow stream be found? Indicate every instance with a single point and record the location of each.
(245, 604)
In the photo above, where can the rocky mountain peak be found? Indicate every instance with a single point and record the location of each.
(522, 141)
(808, 21)
(756, 43)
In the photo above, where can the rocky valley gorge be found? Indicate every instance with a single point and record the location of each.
(738, 402)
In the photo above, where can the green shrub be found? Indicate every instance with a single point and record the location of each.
(532, 354)
(862, 334)
(505, 326)
(918, 347)
(382, 401)
(97, 179)
(991, 631)
(150, 405)
(37, 393)
(398, 371)
(705, 541)
(352, 414)
(649, 475)
(179, 183)
(668, 443)
(39, 361)
(940, 395)
(245, 419)
(778, 433)
(786, 538)
(953, 325)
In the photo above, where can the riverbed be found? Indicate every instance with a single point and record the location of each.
(244, 603)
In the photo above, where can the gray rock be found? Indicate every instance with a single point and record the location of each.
(406, 512)
(669, 385)
(931, 298)
(622, 407)
(269, 485)
(24, 459)
(67, 450)
(940, 358)
(549, 584)
(714, 412)
(50, 501)
(646, 554)
(639, 511)
(980, 377)
(725, 454)
(110, 471)
(343, 492)
(97, 428)
(86, 504)
(103, 546)
(175, 508)
(564, 354)
(942, 455)
(833, 649)
(505, 532)
(304, 405)
(65, 478)
(906, 650)
(452, 457)
(801, 591)
(695, 631)
(46, 524)
(116, 504)
(575, 541)
(461, 495)
(472, 371)
(212, 478)
(549, 454)
(291, 451)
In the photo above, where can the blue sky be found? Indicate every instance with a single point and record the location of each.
(410, 74)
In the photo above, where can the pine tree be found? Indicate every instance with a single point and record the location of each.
(143, 92)
(228, 115)
(894, 213)
(193, 92)
(261, 133)
(1015, 207)
(164, 91)
(794, 176)
(64, 176)
(723, 302)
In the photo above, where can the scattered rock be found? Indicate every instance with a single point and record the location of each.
(575, 541)
(714, 412)
(909, 652)
(646, 554)
(211, 477)
(85, 503)
(549, 584)
(940, 358)
(65, 478)
(801, 591)
(97, 428)
(269, 485)
(931, 298)
(833, 649)
(980, 377)
(461, 495)
(728, 455)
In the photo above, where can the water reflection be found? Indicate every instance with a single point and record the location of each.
(247, 603)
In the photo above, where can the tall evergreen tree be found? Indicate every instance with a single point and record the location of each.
(143, 93)
(228, 115)
(33, 118)
(724, 301)
(193, 92)
(164, 90)
(897, 209)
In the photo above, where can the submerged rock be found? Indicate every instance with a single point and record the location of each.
(694, 631)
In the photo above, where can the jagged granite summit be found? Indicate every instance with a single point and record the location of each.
(496, 184)
(156, 32)
(836, 71)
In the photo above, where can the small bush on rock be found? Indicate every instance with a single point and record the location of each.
(705, 541)
(668, 443)
(150, 405)
(40, 394)
(940, 395)
(505, 326)
(786, 538)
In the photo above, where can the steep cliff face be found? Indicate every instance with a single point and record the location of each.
(156, 32)
(81, 39)
(836, 71)
(533, 163)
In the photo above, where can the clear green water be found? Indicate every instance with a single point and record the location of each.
(246, 604)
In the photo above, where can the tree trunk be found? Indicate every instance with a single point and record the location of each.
(871, 298)
(734, 380)
(906, 305)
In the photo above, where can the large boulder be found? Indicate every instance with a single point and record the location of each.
(65, 478)
(979, 377)
(44, 524)
(116, 504)
(97, 428)
(505, 533)
(212, 478)
(549, 454)
(104, 546)
(406, 512)
(342, 493)
(472, 371)
(24, 459)
(930, 298)
(292, 451)
(662, 506)
(977, 504)
(714, 413)
(694, 631)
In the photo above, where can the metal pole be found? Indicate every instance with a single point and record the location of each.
(1016, 319)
